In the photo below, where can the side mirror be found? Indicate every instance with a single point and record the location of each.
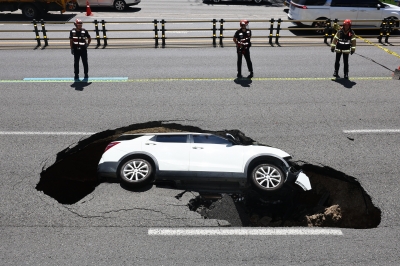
(378, 6)
(230, 137)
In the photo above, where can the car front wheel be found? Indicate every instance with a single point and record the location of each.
(318, 25)
(120, 5)
(267, 177)
(136, 172)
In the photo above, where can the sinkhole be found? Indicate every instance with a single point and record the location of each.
(336, 199)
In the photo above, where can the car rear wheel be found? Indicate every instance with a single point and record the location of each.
(136, 172)
(319, 25)
(120, 5)
(71, 6)
(267, 177)
(30, 11)
(257, 1)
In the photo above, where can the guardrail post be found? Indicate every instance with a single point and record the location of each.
(271, 30)
(36, 33)
(382, 31)
(46, 43)
(96, 28)
(335, 27)
(103, 26)
(389, 26)
(221, 32)
(277, 31)
(327, 30)
(214, 29)
(155, 32)
(163, 32)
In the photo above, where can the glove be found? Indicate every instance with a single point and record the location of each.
(72, 51)
(87, 45)
(352, 52)
(332, 49)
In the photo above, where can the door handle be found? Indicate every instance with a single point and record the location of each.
(199, 148)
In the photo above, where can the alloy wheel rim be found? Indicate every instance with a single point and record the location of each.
(268, 177)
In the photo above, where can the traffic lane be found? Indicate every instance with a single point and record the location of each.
(309, 137)
(114, 245)
(268, 62)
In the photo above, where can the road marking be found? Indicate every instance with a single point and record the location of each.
(125, 79)
(241, 232)
(44, 133)
(371, 131)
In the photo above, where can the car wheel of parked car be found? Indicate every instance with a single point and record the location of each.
(216, 1)
(120, 5)
(396, 23)
(319, 24)
(71, 6)
(257, 1)
(136, 172)
(29, 11)
(267, 177)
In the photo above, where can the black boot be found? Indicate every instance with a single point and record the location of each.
(251, 75)
(335, 74)
(346, 75)
(239, 75)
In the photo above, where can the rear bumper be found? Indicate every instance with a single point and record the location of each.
(107, 170)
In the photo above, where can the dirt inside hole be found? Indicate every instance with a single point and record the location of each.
(336, 200)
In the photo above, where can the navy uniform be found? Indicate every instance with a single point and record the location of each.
(242, 40)
(344, 43)
(79, 41)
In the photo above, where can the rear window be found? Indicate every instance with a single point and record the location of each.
(172, 138)
(310, 2)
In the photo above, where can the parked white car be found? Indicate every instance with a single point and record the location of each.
(119, 5)
(342, 9)
(198, 160)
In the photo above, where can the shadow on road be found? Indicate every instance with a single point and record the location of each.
(345, 82)
(79, 85)
(244, 82)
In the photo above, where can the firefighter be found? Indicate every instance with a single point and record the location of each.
(79, 40)
(242, 40)
(344, 43)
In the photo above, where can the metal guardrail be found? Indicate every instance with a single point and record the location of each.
(160, 33)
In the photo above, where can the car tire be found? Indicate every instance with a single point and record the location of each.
(396, 23)
(71, 6)
(267, 177)
(257, 1)
(136, 172)
(216, 1)
(119, 5)
(319, 24)
(30, 11)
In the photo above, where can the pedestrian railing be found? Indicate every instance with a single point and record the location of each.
(179, 33)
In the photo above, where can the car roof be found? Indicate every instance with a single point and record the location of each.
(167, 133)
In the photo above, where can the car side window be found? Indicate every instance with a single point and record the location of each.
(369, 3)
(347, 3)
(171, 138)
(210, 139)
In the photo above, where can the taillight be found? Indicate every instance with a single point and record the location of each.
(299, 6)
(112, 144)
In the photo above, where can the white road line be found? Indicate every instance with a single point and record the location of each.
(242, 232)
(371, 131)
(43, 133)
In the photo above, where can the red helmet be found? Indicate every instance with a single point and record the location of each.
(78, 21)
(347, 22)
(244, 22)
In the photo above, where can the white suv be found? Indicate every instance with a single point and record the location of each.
(201, 161)
(342, 9)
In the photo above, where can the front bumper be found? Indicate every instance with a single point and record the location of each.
(300, 179)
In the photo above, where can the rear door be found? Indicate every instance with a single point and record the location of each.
(344, 9)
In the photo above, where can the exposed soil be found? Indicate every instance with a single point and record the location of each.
(336, 200)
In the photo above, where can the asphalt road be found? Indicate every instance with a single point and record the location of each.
(291, 104)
